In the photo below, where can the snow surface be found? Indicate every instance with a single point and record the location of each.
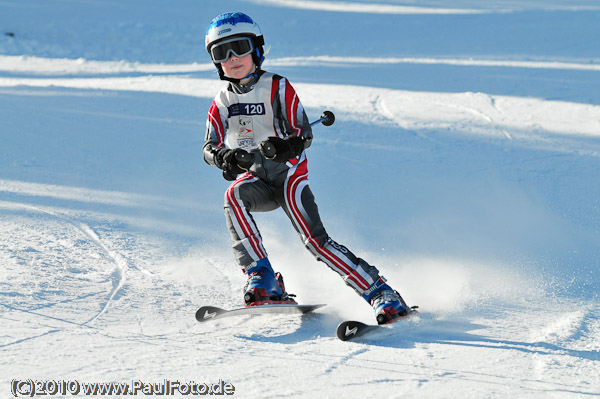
(464, 163)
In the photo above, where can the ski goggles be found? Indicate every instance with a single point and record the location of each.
(239, 46)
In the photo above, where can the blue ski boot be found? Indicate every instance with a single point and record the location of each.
(264, 286)
(387, 303)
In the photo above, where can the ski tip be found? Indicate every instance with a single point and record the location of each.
(351, 329)
(207, 313)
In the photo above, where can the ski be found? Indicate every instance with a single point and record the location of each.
(350, 329)
(206, 313)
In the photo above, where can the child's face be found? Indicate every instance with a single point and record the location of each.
(238, 67)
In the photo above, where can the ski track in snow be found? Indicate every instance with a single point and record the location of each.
(367, 8)
(410, 110)
(100, 275)
(381, 8)
(120, 265)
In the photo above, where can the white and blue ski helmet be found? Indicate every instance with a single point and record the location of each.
(235, 24)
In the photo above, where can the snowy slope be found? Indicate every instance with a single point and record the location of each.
(464, 163)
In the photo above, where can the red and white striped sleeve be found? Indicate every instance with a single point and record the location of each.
(215, 132)
(291, 112)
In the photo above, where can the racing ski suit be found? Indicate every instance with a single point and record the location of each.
(242, 116)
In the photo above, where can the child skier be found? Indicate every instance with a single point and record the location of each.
(257, 110)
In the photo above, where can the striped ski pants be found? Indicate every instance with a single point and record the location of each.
(249, 194)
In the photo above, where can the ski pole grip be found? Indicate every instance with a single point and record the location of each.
(244, 158)
(268, 149)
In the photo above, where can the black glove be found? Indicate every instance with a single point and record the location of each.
(282, 150)
(233, 162)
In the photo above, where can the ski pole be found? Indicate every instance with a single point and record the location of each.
(246, 159)
(326, 119)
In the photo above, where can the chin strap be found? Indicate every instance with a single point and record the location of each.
(257, 72)
(251, 75)
(222, 75)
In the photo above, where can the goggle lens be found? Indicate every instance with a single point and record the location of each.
(238, 47)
